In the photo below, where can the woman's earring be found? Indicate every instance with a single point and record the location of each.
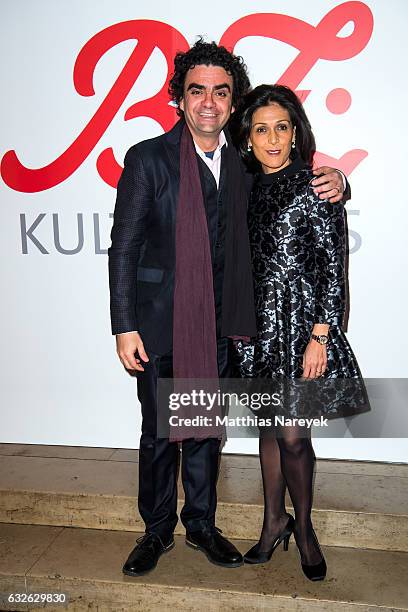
(249, 147)
(293, 144)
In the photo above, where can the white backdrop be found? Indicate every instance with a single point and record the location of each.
(61, 380)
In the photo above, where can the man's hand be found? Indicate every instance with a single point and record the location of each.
(330, 185)
(126, 347)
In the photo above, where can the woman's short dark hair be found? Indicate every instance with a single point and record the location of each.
(209, 54)
(263, 95)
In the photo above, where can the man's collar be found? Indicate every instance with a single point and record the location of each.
(173, 136)
(221, 142)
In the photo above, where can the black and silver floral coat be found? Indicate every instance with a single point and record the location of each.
(298, 247)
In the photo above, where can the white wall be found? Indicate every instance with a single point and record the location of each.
(61, 380)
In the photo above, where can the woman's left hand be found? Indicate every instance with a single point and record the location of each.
(314, 360)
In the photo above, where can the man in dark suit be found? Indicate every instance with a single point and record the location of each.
(181, 286)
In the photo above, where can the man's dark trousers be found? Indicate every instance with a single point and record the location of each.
(159, 460)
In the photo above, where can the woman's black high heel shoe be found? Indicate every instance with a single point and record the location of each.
(254, 555)
(318, 570)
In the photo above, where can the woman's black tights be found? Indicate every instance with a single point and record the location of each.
(288, 460)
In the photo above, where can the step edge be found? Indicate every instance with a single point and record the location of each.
(189, 589)
(225, 504)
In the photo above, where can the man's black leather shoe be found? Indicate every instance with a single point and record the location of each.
(145, 555)
(217, 548)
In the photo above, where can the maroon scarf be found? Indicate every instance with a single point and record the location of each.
(194, 329)
(194, 325)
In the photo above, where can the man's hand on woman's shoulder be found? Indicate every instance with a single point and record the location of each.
(330, 184)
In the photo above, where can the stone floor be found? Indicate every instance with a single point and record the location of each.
(363, 504)
(87, 564)
(51, 498)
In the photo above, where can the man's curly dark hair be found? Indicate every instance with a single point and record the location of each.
(209, 54)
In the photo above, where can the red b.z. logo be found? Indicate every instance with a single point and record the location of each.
(312, 42)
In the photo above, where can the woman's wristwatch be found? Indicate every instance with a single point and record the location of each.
(320, 339)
